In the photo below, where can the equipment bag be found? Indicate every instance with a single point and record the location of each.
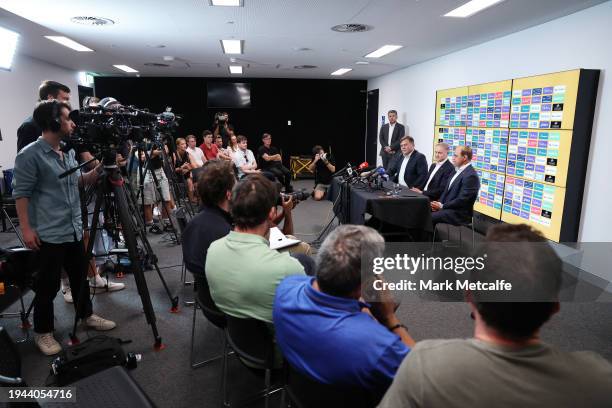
(87, 358)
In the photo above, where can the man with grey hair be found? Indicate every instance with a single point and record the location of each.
(326, 331)
(439, 173)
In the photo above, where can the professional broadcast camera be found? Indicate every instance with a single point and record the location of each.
(104, 126)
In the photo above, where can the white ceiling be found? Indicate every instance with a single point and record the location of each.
(271, 29)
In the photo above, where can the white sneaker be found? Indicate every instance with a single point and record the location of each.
(98, 284)
(98, 323)
(67, 295)
(47, 344)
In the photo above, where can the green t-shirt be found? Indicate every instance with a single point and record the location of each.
(472, 373)
(243, 273)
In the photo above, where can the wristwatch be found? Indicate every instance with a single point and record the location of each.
(397, 326)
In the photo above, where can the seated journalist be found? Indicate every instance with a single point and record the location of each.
(323, 328)
(505, 364)
(241, 269)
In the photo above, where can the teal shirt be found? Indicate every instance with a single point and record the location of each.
(243, 273)
(54, 208)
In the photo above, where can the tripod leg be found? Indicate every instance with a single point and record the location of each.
(127, 224)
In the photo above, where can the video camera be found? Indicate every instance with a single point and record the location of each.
(104, 126)
(221, 117)
(17, 266)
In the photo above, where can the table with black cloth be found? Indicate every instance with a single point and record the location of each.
(409, 210)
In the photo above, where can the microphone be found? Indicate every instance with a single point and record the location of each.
(371, 172)
(382, 173)
(362, 166)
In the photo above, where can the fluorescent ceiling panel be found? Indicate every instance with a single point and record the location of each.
(67, 42)
(341, 71)
(232, 46)
(471, 7)
(384, 50)
(235, 69)
(125, 68)
(8, 45)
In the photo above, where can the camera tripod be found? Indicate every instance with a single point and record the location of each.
(114, 197)
(143, 170)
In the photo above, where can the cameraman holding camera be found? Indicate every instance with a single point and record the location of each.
(322, 165)
(49, 211)
(222, 127)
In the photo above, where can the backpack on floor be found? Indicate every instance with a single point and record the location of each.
(87, 358)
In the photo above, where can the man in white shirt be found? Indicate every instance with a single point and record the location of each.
(457, 201)
(409, 167)
(440, 172)
(195, 151)
(389, 137)
(244, 159)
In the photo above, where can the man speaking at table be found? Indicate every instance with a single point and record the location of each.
(389, 137)
(457, 201)
(408, 167)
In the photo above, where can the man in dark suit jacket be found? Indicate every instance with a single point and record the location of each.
(440, 172)
(456, 204)
(408, 167)
(389, 137)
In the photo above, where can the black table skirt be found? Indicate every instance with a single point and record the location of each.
(351, 202)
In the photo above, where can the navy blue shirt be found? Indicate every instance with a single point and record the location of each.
(331, 340)
(209, 225)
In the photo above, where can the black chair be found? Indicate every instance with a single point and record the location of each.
(10, 361)
(204, 302)
(113, 387)
(181, 220)
(253, 343)
(306, 392)
(469, 225)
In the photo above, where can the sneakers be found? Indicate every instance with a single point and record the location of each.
(47, 344)
(67, 295)
(98, 323)
(155, 229)
(98, 284)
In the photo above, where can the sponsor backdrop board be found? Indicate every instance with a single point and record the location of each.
(489, 104)
(530, 139)
(545, 101)
(452, 107)
(537, 204)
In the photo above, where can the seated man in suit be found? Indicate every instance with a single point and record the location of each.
(457, 201)
(439, 173)
(408, 167)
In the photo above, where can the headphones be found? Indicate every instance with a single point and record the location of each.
(56, 122)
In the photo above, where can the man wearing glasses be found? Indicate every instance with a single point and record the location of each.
(244, 159)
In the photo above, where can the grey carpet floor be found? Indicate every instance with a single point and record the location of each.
(170, 382)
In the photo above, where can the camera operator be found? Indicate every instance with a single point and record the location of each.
(49, 211)
(222, 127)
(29, 131)
(150, 191)
(270, 161)
(322, 165)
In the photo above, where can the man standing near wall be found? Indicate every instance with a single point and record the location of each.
(389, 137)
(29, 131)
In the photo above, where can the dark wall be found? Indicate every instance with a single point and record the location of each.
(331, 113)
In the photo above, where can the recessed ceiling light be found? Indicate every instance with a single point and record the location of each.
(125, 68)
(384, 50)
(235, 69)
(67, 42)
(232, 46)
(471, 7)
(362, 63)
(226, 3)
(341, 71)
(8, 39)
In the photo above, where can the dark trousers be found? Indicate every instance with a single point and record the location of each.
(54, 257)
(386, 158)
(448, 217)
(282, 174)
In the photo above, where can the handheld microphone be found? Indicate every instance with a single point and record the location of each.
(381, 172)
(368, 174)
(363, 166)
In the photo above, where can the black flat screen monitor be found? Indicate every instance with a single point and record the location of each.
(229, 95)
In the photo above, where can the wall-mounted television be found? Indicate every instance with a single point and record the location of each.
(228, 95)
